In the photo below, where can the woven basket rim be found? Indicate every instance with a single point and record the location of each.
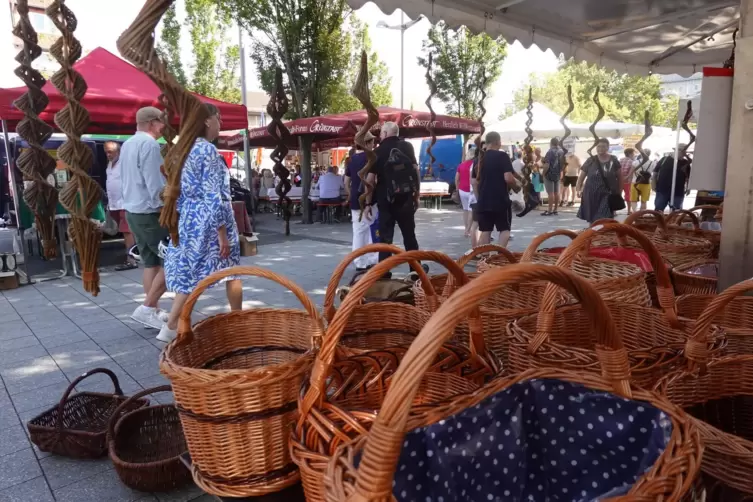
(112, 441)
(55, 407)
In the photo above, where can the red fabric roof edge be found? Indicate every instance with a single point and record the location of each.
(116, 91)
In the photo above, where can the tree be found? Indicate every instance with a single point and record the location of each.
(460, 62)
(357, 40)
(214, 69)
(625, 98)
(168, 47)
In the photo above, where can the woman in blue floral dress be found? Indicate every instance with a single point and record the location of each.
(206, 226)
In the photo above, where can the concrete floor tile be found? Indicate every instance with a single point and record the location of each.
(57, 340)
(102, 486)
(12, 357)
(18, 468)
(33, 382)
(61, 471)
(34, 490)
(39, 398)
(13, 439)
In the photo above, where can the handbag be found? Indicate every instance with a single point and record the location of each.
(615, 201)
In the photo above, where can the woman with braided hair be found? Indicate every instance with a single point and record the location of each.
(206, 226)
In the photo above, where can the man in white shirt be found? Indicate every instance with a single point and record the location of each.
(329, 190)
(114, 186)
(142, 180)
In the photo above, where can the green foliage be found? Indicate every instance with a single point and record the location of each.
(460, 61)
(625, 98)
(214, 70)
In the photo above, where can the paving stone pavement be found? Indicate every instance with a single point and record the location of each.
(53, 331)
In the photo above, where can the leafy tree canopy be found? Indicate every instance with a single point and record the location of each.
(460, 62)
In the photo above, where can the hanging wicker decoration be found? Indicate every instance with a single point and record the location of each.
(361, 92)
(684, 125)
(277, 108)
(137, 45)
(647, 131)
(34, 162)
(563, 118)
(730, 63)
(432, 118)
(599, 116)
(482, 127)
(81, 194)
(528, 157)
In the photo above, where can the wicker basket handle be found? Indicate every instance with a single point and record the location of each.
(676, 218)
(705, 206)
(337, 275)
(61, 406)
(185, 333)
(537, 241)
(385, 440)
(664, 288)
(486, 248)
(696, 350)
(659, 217)
(326, 355)
(116, 414)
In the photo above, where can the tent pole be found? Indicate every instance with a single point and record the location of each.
(16, 203)
(674, 167)
(246, 153)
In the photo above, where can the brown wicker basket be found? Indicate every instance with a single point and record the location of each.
(697, 278)
(675, 248)
(534, 256)
(377, 453)
(343, 395)
(559, 337)
(145, 445)
(395, 290)
(719, 394)
(236, 378)
(675, 225)
(77, 426)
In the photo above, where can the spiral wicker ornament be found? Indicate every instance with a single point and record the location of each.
(599, 116)
(528, 157)
(647, 131)
(482, 91)
(361, 92)
(81, 194)
(34, 162)
(685, 121)
(276, 109)
(563, 118)
(137, 45)
(432, 118)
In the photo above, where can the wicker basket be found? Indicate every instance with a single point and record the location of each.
(674, 247)
(675, 225)
(377, 453)
(719, 394)
(394, 290)
(559, 337)
(236, 378)
(77, 426)
(697, 278)
(145, 445)
(532, 253)
(344, 394)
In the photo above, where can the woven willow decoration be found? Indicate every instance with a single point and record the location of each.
(361, 92)
(563, 118)
(685, 121)
(647, 131)
(34, 162)
(137, 45)
(81, 194)
(482, 127)
(433, 117)
(528, 157)
(277, 108)
(599, 116)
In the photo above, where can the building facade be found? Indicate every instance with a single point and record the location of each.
(682, 87)
(47, 33)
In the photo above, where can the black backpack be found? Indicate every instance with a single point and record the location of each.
(643, 176)
(402, 177)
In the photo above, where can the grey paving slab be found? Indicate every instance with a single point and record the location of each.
(8, 417)
(84, 354)
(102, 486)
(51, 341)
(13, 356)
(34, 490)
(61, 471)
(39, 398)
(33, 380)
(121, 346)
(18, 468)
(145, 368)
(186, 494)
(13, 439)
(20, 343)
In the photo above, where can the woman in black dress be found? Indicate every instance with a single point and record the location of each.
(601, 174)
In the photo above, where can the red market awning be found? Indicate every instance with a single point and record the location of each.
(332, 131)
(116, 90)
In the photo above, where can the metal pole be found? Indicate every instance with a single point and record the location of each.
(402, 54)
(674, 168)
(246, 152)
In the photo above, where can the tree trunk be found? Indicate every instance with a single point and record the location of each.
(304, 143)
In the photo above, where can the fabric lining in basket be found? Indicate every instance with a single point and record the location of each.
(537, 440)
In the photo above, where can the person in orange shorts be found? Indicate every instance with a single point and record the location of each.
(627, 163)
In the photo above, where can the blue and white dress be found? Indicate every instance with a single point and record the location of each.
(204, 206)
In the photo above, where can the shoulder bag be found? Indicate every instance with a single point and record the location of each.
(615, 201)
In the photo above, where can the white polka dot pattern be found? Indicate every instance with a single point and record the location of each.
(541, 440)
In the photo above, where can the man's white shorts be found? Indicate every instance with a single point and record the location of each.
(466, 199)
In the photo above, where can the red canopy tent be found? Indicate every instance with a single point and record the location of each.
(116, 91)
(331, 131)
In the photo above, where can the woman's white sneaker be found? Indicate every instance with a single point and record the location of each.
(147, 316)
(166, 334)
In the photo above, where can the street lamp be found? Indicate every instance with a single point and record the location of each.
(402, 27)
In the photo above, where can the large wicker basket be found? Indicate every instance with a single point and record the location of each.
(236, 378)
(77, 426)
(719, 394)
(364, 469)
(344, 394)
(559, 337)
(697, 278)
(675, 224)
(145, 445)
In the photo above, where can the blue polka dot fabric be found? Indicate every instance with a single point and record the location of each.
(540, 440)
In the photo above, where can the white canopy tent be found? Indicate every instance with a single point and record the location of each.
(632, 36)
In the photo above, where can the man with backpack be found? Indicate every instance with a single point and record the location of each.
(397, 192)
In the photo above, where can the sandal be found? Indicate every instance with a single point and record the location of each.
(125, 266)
(546, 213)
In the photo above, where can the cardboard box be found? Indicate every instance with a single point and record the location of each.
(9, 281)
(248, 244)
